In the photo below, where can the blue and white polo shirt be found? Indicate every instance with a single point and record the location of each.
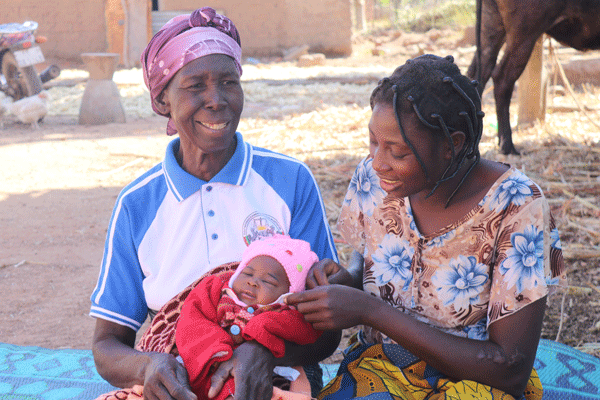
(168, 227)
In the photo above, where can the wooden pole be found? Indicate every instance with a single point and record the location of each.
(137, 15)
(115, 27)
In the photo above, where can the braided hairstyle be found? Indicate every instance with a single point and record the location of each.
(444, 100)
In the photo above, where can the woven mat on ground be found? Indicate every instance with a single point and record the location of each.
(35, 373)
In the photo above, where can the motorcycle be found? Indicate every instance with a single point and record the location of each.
(19, 54)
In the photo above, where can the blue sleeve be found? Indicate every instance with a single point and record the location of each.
(309, 220)
(119, 294)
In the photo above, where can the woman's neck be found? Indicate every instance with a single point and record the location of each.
(447, 190)
(203, 165)
(431, 213)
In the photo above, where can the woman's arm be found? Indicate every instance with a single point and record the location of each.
(313, 353)
(503, 362)
(121, 365)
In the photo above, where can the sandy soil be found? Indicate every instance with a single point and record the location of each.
(56, 196)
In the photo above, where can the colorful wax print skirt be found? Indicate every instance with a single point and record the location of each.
(389, 372)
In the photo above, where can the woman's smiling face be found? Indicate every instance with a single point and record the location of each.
(205, 101)
(396, 165)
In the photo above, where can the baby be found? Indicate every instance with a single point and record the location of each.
(225, 310)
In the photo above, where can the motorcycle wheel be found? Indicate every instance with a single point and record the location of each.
(22, 82)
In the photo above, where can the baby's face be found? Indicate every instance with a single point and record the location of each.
(261, 282)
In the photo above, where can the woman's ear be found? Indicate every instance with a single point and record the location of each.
(458, 141)
(161, 104)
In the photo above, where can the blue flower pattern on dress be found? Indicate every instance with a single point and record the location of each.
(514, 190)
(364, 186)
(461, 284)
(409, 214)
(477, 331)
(552, 281)
(392, 261)
(524, 265)
(438, 241)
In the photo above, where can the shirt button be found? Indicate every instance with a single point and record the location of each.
(214, 236)
(211, 213)
(250, 310)
(235, 330)
(208, 188)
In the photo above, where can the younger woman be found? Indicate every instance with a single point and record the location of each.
(454, 254)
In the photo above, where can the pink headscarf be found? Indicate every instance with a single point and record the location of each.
(183, 39)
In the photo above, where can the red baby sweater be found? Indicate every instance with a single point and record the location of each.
(205, 328)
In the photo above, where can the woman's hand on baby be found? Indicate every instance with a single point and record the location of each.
(331, 307)
(166, 379)
(327, 272)
(252, 369)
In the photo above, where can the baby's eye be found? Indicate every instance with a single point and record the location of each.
(269, 283)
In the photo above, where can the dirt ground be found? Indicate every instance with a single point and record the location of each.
(60, 183)
(57, 193)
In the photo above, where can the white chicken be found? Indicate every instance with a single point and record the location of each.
(30, 110)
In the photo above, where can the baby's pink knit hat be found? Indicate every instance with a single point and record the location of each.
(294, 254)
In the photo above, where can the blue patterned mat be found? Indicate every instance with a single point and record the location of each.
(35, 373)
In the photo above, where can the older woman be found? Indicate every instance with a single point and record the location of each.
(212, 195)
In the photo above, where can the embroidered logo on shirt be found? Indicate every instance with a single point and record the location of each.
(258, 225)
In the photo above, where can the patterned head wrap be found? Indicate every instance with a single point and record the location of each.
(183, 39)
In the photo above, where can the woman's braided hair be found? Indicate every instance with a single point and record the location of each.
(443, 99)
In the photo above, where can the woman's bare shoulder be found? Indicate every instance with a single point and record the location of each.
(488, 173)
(478, 184)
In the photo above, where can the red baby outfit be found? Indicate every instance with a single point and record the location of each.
(212, 325)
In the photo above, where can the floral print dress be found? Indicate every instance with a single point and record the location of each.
(500, 257)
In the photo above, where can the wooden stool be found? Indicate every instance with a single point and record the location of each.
(101, 102)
